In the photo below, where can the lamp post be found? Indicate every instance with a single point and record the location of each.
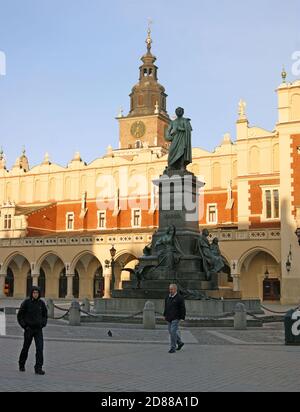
(112, 254)
(289, 261)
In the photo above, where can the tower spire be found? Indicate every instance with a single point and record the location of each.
(149, 38)
(283, 75)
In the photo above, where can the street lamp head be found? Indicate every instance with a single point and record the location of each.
(267, 274)
(288, 265)
(298, 234)
(113, 252)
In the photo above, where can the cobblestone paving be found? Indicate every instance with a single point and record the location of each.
(83, 359)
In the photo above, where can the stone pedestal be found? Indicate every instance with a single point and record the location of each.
(179, 201)
(174, 256)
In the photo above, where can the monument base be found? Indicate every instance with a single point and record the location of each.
(195, 308)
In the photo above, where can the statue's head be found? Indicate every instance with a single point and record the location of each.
(216, 241)
(179, 112)
(172, 230)
(205, 232)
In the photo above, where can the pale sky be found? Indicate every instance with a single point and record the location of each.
(72, 63)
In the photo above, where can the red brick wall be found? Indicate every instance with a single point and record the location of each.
(295, 143)
(53, 218)
(256, 203)
(224, 215)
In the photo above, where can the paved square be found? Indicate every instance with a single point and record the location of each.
(86, 359)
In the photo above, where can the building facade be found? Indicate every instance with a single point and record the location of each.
(58, 224)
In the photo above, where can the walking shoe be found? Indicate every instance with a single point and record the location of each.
(39, 372)
(172, 351)
(180, 346)
(21, 368)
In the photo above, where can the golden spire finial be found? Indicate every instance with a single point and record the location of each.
(149, 39)
(283, 75)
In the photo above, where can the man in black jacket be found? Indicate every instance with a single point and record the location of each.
(32, 317)
(174, 312)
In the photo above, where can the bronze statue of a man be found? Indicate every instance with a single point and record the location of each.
(179, 134)
(211, 254)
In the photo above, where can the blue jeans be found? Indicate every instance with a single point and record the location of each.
(173, 328)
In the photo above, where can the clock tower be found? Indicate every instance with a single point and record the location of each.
(148, 119)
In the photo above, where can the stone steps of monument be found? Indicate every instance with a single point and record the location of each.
(186, 275)
(164, 284)
(224, 294)
(161, 294)
(140, 294)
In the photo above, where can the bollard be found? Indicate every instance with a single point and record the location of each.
(50, 307)
(2, 324)
(86, 306)
(240, 317)
(98, 306)
(74, 314)
(149, 320)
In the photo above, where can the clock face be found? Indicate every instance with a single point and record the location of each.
(138, 129)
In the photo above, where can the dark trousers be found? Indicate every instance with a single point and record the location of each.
(29, 335)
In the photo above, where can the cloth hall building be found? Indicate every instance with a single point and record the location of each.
(58, 224)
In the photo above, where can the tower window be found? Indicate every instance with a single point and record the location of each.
(136, 218)
(102, 219)
(212, 214)
(7, 222)
(145, 72)
(150, 72)
(140, 100)
(70, 221)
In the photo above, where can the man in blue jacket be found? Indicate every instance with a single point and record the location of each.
(174, 312)
(32, 317)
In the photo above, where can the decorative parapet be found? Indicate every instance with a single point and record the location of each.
(223, 236)
(240, 235)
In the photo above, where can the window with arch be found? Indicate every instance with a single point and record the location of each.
(295, 107)
(8, 191)
(23, 191)
(37, 190)
(83, 184)
(68, 188)
(276, 158)
(52, 189)
(234, 171)
(216, 175)
(254, 160)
